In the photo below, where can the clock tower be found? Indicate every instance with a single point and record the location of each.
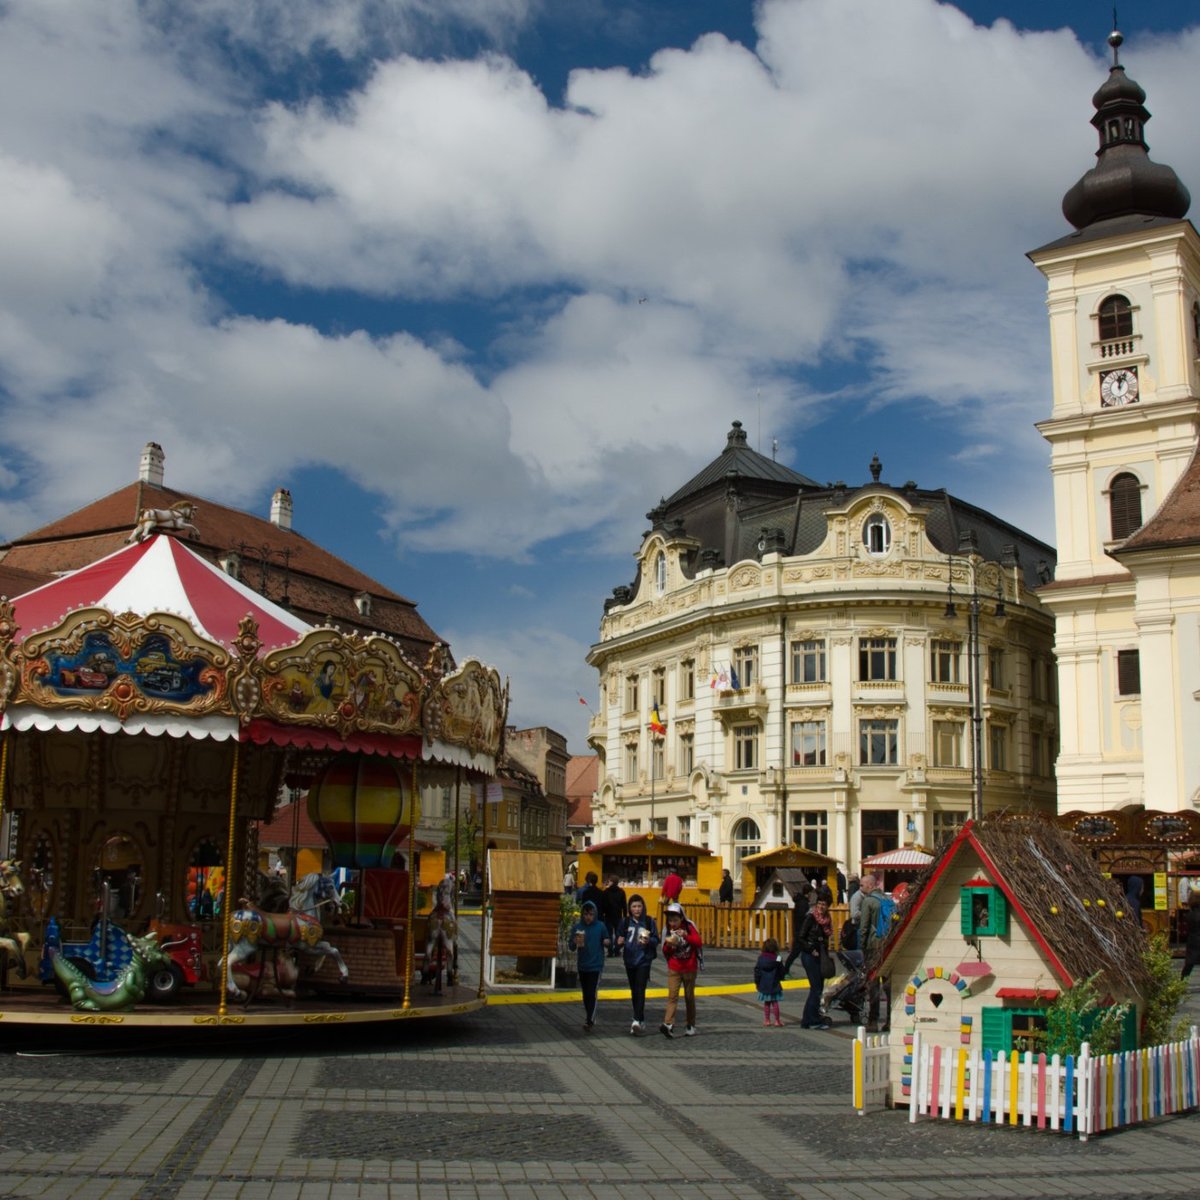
(1124, 305)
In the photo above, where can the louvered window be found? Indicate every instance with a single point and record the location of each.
(1125, 505)
(1129, 673)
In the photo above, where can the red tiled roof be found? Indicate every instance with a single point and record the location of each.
(1177, 522)
(290, 820)
(318, 585)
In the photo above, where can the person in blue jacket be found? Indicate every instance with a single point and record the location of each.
(591, 941)
(638, 939)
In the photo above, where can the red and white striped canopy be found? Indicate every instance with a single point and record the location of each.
(160, 575)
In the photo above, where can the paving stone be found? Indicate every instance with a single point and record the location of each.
(52, 1127)
(437, 1075)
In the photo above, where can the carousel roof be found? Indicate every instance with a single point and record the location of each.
(160, 575)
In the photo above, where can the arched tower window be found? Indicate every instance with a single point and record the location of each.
(1125, 505)
(660, 573)
(1115, 318)
(877, 534)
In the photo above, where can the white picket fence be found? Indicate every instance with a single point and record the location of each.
(1081, 1095)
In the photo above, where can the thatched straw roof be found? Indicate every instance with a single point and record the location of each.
(1038, 868)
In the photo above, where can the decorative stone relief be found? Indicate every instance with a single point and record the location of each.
(745, 577)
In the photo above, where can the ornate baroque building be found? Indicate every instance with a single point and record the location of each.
(786, 667)
(1124, 304)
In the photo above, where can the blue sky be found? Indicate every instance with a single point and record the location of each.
(479, 280)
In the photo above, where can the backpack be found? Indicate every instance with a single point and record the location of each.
(848, 938)
(887, 914)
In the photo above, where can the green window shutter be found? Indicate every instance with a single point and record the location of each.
(999, 914)
(968, 925)
(997, 1030)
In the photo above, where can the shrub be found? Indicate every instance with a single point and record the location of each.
(1164, 996)
(1077, 1017)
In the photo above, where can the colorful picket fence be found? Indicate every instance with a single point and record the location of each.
(1077, 1095)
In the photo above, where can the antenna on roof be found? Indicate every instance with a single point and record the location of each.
(774, 448)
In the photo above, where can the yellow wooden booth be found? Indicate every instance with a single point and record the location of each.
(643, 861)
(756, 868)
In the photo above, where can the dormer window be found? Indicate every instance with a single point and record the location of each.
(1115, 318)
(231, 564)
(362, 601)
(877, 534)
(660, 573)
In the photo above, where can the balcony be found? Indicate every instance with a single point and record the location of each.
(734, 706)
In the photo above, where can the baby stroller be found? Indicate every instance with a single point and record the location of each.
(848, 989)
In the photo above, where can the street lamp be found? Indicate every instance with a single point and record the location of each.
(968, 553)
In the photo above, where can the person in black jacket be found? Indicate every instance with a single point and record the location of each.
(799, 912)
(590, 891)
(814, 938)
(614, 909)
(1191, 955)
(638, 940)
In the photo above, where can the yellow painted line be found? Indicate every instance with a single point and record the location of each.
(656, 993)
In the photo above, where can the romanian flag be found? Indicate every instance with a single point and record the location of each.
(656, 722)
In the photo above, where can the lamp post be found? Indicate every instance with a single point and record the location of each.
(968, 553)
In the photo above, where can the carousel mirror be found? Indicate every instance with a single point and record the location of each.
(120, 867)
(40, 880)
(204, 888)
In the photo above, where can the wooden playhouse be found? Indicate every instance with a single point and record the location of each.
(1009, 914)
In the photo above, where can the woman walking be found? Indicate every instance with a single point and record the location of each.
(813, 938)
(638, 940)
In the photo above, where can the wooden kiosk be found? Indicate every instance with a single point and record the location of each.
(523, 910)
(643, 861)
(757, 868)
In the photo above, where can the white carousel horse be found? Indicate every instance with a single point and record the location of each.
(298, 930)
(12, 943)
(175, 519)
(443, 930)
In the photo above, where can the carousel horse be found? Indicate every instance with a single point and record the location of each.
(175, 519)
(12, 943)
(298, 930)
(439, 945)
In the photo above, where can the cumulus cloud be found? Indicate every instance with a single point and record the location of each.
(829, 221)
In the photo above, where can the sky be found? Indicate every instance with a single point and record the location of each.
(480, 280)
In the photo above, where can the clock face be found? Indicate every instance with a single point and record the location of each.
(1118, 387)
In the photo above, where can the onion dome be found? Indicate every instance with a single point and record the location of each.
(1124, 181)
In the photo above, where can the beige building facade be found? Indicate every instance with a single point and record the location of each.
(1124, 307)
(786, 667)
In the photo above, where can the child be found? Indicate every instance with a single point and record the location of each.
(591, 942)
(768, 978)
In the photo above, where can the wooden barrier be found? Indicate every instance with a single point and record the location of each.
(747, 928)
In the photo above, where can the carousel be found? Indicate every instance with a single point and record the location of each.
(153, 711)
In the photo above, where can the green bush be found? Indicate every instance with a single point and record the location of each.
(1077, 1017)
(1164, 996)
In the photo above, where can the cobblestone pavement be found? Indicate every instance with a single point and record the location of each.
(517, 1102)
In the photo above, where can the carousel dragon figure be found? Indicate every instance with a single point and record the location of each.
(129, 987)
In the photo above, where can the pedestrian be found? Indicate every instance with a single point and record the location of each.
(681, 948)
(800, 903)
(768, 978)
(590, 891)
(590, 938)
(569, 881)
(841, 882)
(639, 946)
(725, 892)
(672, 886)
(869, 909)
(814, 944)
(1191, 953)
(613, 908)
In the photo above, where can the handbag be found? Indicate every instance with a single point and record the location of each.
(828, 966)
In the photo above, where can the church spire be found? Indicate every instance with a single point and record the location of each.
(1125, 181)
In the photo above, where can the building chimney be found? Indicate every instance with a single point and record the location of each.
(151, 468)
(281, 508)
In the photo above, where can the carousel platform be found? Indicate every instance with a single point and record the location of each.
(41, 1006)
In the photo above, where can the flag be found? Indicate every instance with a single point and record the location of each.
(712, 683)
(734, 682)
(583, 701)
(656, 722)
